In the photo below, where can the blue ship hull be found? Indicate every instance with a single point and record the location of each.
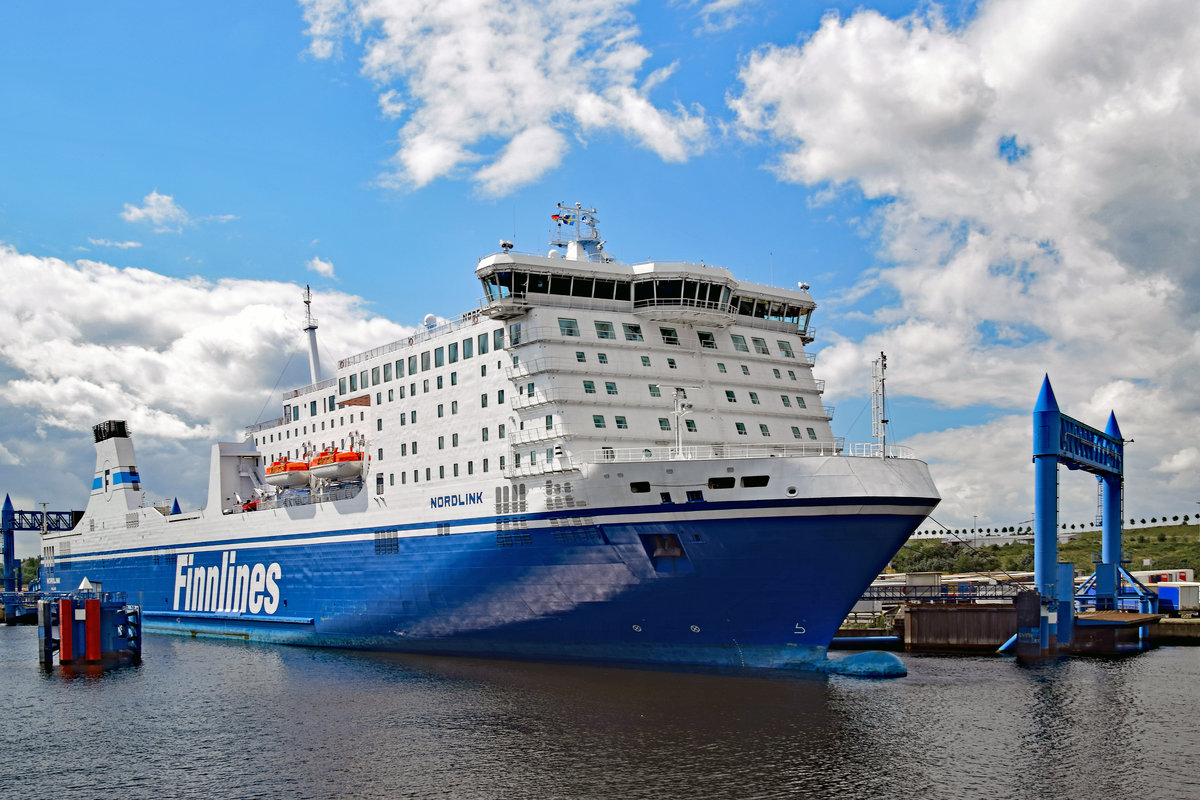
(745, 590)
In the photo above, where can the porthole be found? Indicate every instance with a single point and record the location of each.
(792, 491)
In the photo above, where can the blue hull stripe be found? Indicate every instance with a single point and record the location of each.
(742, 506)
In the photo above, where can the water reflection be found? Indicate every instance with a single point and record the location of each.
(208, 718)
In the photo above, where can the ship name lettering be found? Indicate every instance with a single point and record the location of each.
(230, 588)
(451, 500)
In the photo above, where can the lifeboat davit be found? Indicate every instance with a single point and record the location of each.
(333, 465)
(288, 474)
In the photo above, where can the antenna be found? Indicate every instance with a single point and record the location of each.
(879, 403)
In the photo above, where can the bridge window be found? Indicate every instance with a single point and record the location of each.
(785, 349)
(739, 343)
(760, 346)
(568, 327)
(633, 333)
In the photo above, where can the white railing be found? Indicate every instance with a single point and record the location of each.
(711, 452)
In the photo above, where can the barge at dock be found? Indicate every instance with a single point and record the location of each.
(602, 462)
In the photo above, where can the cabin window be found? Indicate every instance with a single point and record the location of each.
(720, 368)
(707, 340)
(312, 408)
(602, 358)
(454, 379)
(792, 374)
(787, 403)
(812, 434)
(739, 343)
(483, 435)
(622, 424)
(604, 330)
(760, 346)
(484, 464)
(724, 482)
(800, 402)
(730, 396)
(745, 369)
(412, 365)
(567, 327)
(645, 361)
(580, 357)
(439, 381)
(669, 335)
(776, 372)
(483, 398)
(379, 424)
(639, 487)
(655, 391)
(467, 347)
(354, 383)
(762, 428)
(497, 340)
(514, 333)
(695, 496)
(741, 428)
(671, 363)
(589, 387)
(755, 481)
(754, 398)
(452, 352)
(454, 440)
(482, 341)
(379, 483)
(375, 376)
(425, 386)
(381, 454)
(500, 397)
(441, 410)
(399, 368)
(453, 406)
(387, 372)
(633, 333)
(690, 424)
(598, 420)
(796, 432)
(500, 430)
(610, 387)
(785, 349)
(442, 471)
(664, 424)
(425, 363)
(549, 421)
(362, 379)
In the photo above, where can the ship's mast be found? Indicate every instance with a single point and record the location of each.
(879, 403)
(577, 233)
(310, 327)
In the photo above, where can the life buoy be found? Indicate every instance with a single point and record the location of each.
(410, 340)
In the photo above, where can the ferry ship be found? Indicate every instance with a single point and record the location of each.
(602, 461)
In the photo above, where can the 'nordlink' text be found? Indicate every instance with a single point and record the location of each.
(448, 500)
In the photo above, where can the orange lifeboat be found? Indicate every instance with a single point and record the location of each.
(287, 474)
(334, 464)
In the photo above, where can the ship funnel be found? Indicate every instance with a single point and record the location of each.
(116, 485)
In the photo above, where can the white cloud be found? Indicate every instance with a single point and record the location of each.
(1042, 179)
(320, 266)
(111, 243)
(185, 361)
(491, 87)
(718, 16)
(159, 210)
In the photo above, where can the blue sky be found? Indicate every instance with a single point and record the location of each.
(988, 192)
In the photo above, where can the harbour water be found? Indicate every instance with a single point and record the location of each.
(208, 718)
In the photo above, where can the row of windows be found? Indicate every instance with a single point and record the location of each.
(646, 291)
(622, 423)
(429, 359)
(602, 358)
(633, 333)
(441, 473)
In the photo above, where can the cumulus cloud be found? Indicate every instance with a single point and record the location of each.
(492, 87)
(1040, 177)
(321, 267)
(184, 360)
(159, 210)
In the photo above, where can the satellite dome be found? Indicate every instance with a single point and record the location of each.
(430, 320)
